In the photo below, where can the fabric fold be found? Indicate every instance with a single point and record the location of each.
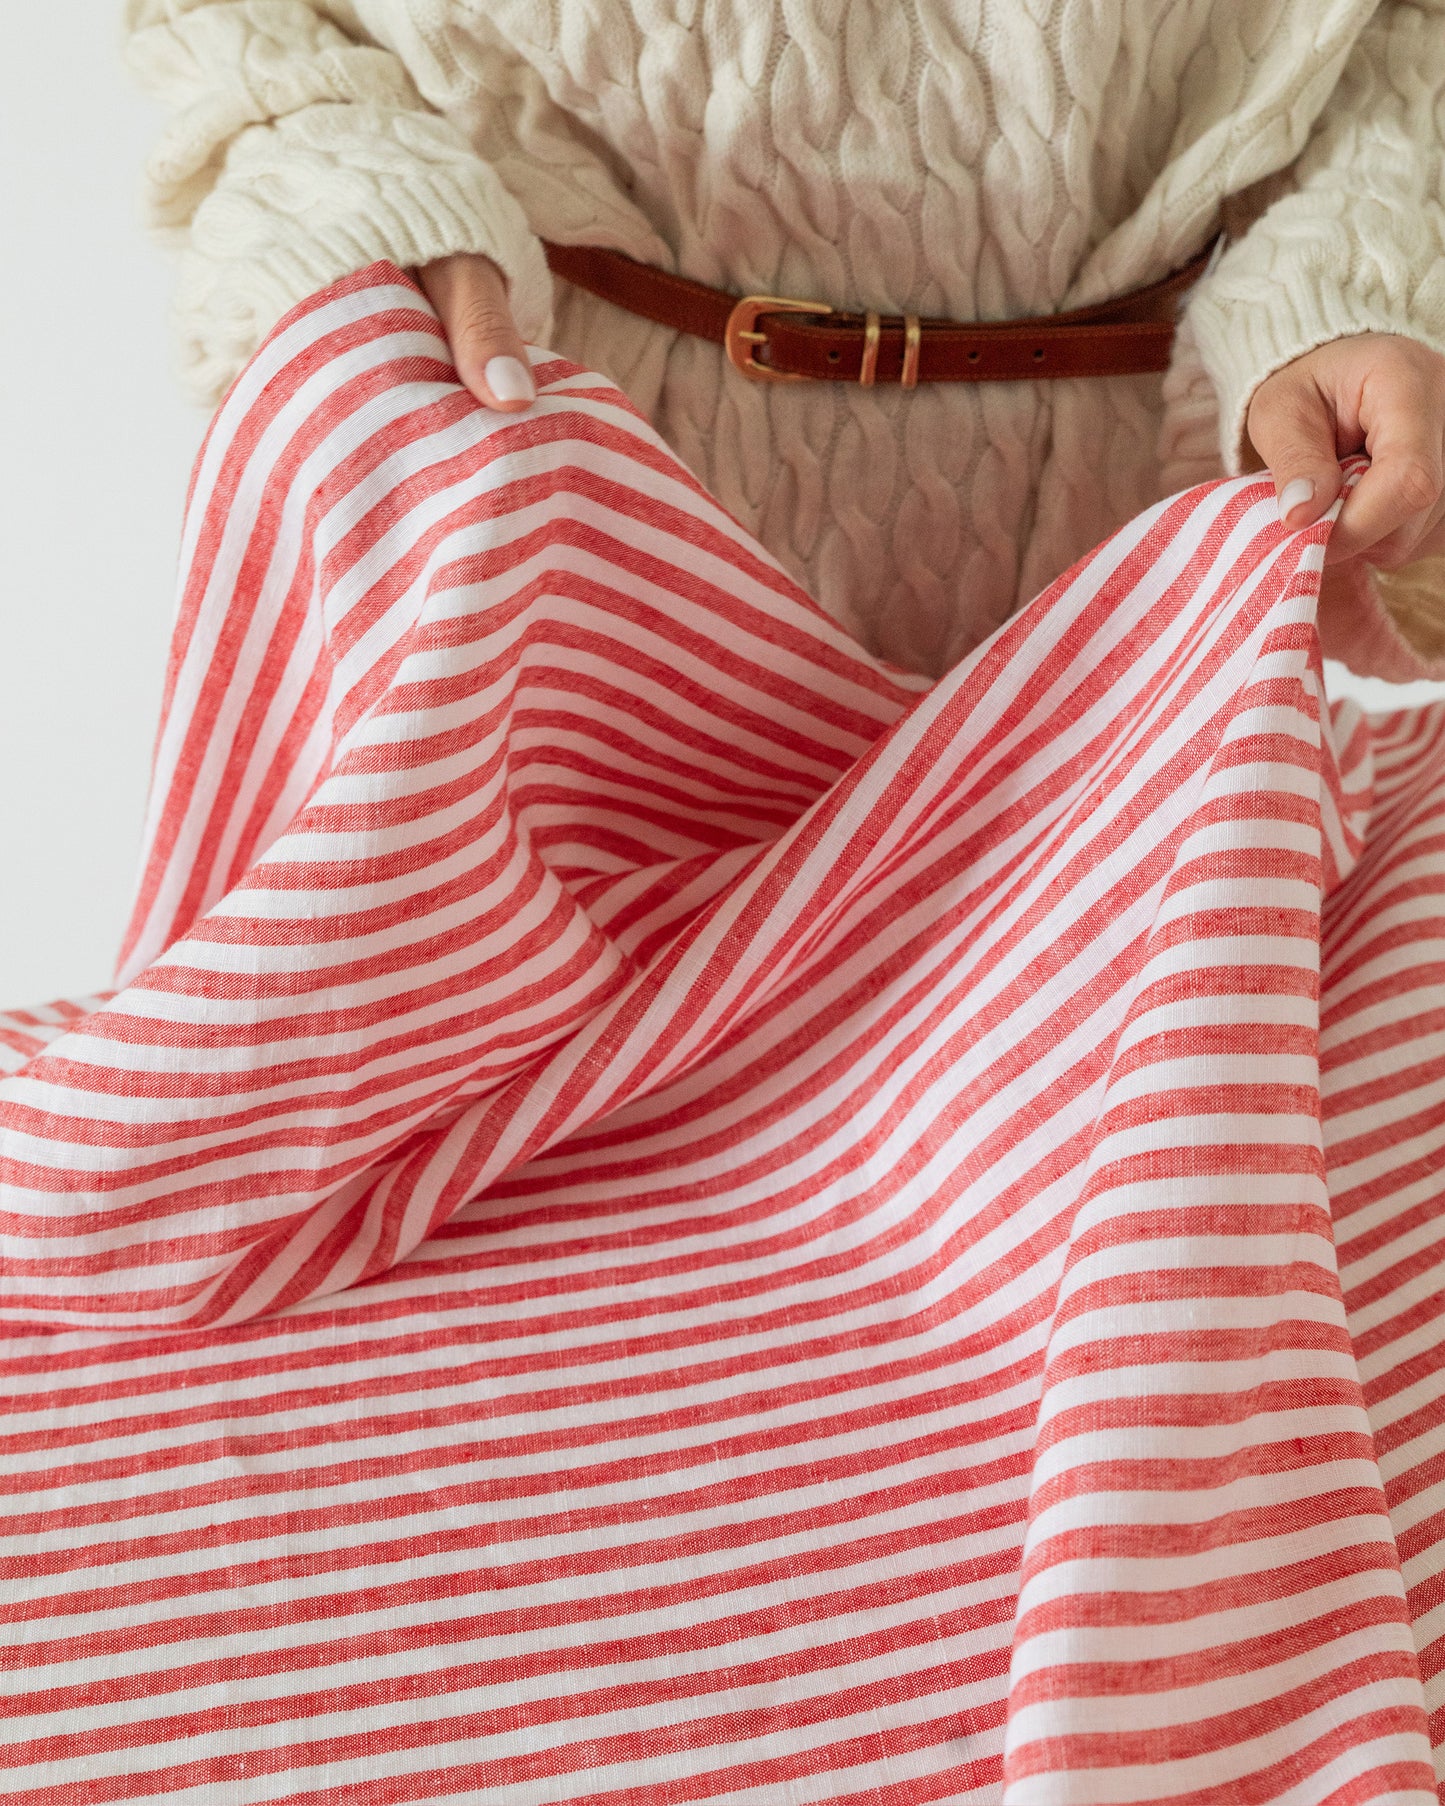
(665, 1209)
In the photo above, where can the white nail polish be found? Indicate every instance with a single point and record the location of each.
(509, 379)
(1293, 493)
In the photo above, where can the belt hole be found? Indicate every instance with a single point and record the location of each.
(833, 356)
(1038, 355)
(973, 357)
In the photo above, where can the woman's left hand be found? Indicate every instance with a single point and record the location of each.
(1374, 392)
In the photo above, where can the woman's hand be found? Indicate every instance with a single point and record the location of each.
(469, 293)
(1374, 392)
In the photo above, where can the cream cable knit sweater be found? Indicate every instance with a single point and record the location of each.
(980, 159)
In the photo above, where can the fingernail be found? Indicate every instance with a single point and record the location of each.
(509, 379)
(1290, 497)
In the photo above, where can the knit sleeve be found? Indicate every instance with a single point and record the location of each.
(296, 150)
(1356, 242)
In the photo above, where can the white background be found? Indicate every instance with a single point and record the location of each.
(95, 455)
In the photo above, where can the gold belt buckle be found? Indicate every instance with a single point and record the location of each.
(741, 335)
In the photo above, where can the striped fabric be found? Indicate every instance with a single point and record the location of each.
(665, 1212)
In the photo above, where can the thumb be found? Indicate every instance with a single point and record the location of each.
(469, 293)
(1292, 429)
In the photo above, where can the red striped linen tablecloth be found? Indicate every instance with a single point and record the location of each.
(665, 1212)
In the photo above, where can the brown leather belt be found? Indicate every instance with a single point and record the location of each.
(773, 339)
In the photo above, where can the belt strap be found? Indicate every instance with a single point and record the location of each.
(771, 338)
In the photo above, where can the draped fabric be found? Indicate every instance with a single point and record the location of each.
(666, 1212)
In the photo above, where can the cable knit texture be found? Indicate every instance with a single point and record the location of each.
(981, 159)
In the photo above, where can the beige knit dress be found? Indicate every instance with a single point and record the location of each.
(981, 159)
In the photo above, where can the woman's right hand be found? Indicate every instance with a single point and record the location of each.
(469, 293)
